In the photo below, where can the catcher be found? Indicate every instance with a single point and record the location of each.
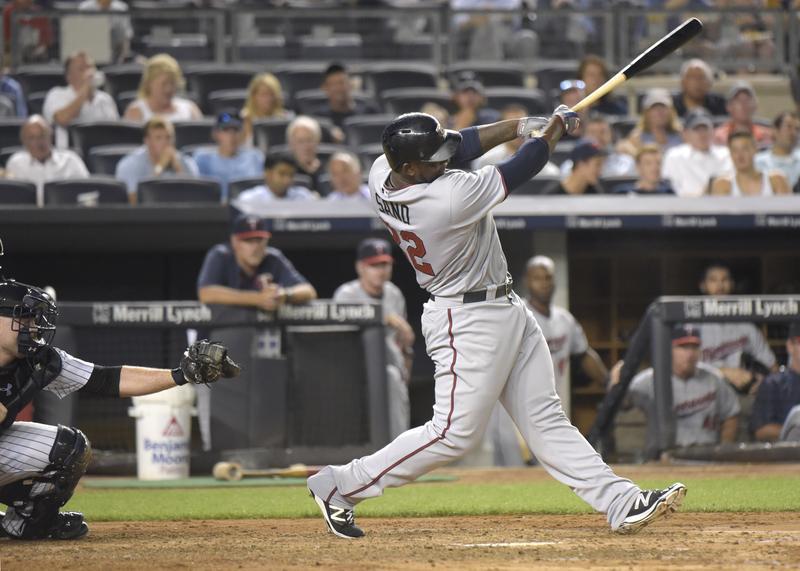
(40, 465)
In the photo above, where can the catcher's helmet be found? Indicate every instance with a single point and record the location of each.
(418, 137)
(32, 311)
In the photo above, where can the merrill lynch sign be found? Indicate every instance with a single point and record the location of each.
(747, 307)
(103, 313)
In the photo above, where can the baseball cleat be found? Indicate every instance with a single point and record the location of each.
(341, 521)
(69, 525)
(651, 505)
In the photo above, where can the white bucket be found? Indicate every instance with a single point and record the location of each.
(163, 433)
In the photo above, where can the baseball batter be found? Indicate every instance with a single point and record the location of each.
(484, 342)
(40, 465)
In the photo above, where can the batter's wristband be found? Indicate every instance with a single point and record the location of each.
(177, 376)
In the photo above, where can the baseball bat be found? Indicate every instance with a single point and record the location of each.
(233, 471)
(652, 55)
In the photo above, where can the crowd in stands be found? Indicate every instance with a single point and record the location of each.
(272, 144)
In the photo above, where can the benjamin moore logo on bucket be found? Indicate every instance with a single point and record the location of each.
(173, 428)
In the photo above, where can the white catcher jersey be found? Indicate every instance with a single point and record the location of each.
(724, 343)
(445, 227)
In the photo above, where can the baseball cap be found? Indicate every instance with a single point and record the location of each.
(570, 84)
(794, 329)
(468, 80)
(656, 96)
(585, 150)
(228, 120)
(246, 226)
(739, 87)
(698, 118)
(685, 334)
(374, 251)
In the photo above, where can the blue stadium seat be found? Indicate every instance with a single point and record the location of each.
(179, 190)
(85, 192)
(17, 192)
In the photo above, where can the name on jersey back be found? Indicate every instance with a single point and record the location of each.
(399, 212)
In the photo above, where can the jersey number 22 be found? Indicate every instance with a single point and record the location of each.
(415, 250)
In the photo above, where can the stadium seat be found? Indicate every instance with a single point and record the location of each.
(336, 47)
(36, 102)
(85, 192)
(548, 78)
(307, 100)
(5, 154)
(368, 154)
(183, 47)
(365, 129)
(194, 132)
(623, 127)
(268, 133)
(408, 99)
(122, 78)
(378, 77)
(263, 48)
(39, 78)
(538, 185)
(201, 82)
(534, 100)
(226, 100)
(85, 136)
(104, 158)
(177, 190)
(236, 187)
(300, 75)
(17, 192)
(124, 99)
(610, 183)
(9, 131)
(490, 73)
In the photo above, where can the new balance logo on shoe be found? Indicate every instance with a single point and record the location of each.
(650, 505)
(341, 521)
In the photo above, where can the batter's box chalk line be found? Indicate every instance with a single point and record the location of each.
(509, 544)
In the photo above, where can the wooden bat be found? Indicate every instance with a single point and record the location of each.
(233, 471)
(654, 54)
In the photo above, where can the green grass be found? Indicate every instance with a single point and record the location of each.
(762, 493)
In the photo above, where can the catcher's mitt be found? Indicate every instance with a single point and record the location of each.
(205, 362)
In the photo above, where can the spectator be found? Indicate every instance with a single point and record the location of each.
(657, 124)
(697, 78)
(435, 110)
(584, 178)
(229, 161)
(344, 169)
(303, 136)
(470, 102)
(264, 101)
(738, 350)
(34, 35)
(690, 167)
(161, 80)
(746, 180)
(483, 33)
(741, 106)
(279, 172)
(502, 152)
(594, 73)
(776, 415)
(784, 154)
(599, 130)
(10, 88)
(121, 29)
(338, 88)
(571, 91)
(157, 157)
(374, 264)
(79, 100)
(39, 162)
(705, 406)
(648, 166)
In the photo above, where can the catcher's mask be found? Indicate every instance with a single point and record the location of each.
(33, 314)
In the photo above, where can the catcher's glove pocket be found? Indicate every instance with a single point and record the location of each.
(205, 362)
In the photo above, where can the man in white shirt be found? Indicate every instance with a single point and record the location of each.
(690, 167)
(40, 162)
(784, 155)
(79, 100)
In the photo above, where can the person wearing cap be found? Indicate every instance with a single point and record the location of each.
(279, 173)
(344, 170)
(706, 407)
(157, 157)
(470, 102)
(658, 124)
(597, 128)
(690, 167)
(246, 272)
(229, 160)
(374, 263)
(648, 166)
(341, 104)
(784, 155)
(587, 159)
(746, 179)
(697, 79)
(776, 411)
(741, 105)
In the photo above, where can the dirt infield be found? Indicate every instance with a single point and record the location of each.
(684, 541)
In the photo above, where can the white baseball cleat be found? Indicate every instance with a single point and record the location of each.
(651, 505)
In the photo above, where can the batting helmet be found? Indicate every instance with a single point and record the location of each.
(418, 137)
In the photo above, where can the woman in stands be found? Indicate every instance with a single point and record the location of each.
(161, 80)
(658, 124)
(264, 101)
(747, 180)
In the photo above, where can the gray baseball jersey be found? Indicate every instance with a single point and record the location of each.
(392, 302)
(724, 343)
(700, 403)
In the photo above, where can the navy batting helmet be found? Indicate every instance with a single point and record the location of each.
(418, 137)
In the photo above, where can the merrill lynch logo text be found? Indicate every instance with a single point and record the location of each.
(151, 313)
(755, 307)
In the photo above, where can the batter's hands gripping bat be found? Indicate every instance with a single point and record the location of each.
(233, 471)
(655, 53)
